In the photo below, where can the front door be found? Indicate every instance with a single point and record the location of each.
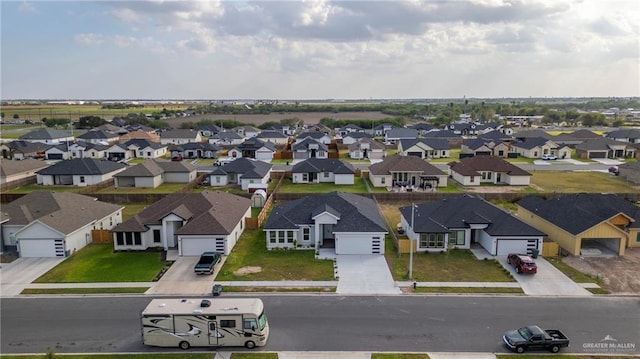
(327, 231)
(214, 335)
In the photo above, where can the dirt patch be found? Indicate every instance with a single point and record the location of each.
(248, 270)
(619, 274)
(493, 189)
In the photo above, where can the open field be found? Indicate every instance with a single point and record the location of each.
(74, 112)
(580, 181)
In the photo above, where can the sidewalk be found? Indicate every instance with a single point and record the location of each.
(364, 355)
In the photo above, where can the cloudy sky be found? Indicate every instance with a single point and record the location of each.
(319, 49)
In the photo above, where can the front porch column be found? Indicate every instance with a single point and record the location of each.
(164, 236)
(316, 231)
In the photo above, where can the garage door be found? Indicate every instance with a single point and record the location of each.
(54, 156)
(196, 246)
(359, 245)
(506, 246)
(597, 155)
(38, 248)
(416, 154)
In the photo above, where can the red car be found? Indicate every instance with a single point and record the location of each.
(523, 263)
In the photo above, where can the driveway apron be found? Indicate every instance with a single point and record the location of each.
(15, 276)
(181, 280)
(364, 274)
(548, 281)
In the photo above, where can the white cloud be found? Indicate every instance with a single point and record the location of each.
(89, 39)
(27, 6)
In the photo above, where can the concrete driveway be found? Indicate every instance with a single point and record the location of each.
(15, 276)
(548, 281)
(181, 280)
(364, 274)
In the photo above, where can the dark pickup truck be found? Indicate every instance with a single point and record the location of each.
(533, 337)
(207, 263)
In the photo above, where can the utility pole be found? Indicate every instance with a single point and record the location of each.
(413, 209)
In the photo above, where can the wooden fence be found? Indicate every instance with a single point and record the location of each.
(18, 183)
(101, 236)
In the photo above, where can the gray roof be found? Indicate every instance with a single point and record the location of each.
(206, 213)
(271, 134)
(65, 212)
(600, 144)
(46, 133)
(227, 135)
(435, 143)
(624, 133)
(27, 147)
(254, 144)
(402, 133)
(180, 133)
(313, 134)
(471, 165)
(97, 135)
(357, 213)
(82, 166)
(245, 167)
(397, 163)
(576, 213)
(142, 143)
(10, 167)
(459, 212)
(304, 144)
(531, 142)
(317, 165)
(441, 134)
(148, 168)
(373, 144)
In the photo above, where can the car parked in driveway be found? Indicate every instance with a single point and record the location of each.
(522, 263)
(549, 157)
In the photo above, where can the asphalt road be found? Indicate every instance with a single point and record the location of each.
(331, 323)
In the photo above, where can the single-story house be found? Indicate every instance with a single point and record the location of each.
(317, 170)
(424, 148)
(224, 138)
(191, 222)
(180, 136)
(460, 221)
(395, 135)
(49, 136)
(406, 171)
(57, 152)
(309, 148)
(483, 147)
(242, 171)
(88, 150)
(354, 137)
(275, 137)
(584, 223)
(473, 171)
(247, 131)
(630, 135)
(13, 170)
(99, 137)
(367, 148)
(140, 135)
(254, 148)
(152, 173)
(606, 148)
(79, 172)
(318, 136)
(199, 150)
(20, 150)
(536, 147)
(349, 223)
(55, 224)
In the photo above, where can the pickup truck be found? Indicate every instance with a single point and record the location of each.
(207, 263)
(533, 337)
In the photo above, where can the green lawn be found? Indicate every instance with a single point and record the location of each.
(571, 272)
(98, 263)
(131, 209)
(289, 187)
(124, 290)
(163, 188)
(251, 251)
(469, 290)
(574, 182)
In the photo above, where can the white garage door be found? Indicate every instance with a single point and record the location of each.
(38, 248)
(359, 245)
(506, 246)
(195, 247)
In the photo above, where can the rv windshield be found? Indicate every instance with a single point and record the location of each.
(262, 320)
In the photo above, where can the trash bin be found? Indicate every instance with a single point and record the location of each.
(534, 253)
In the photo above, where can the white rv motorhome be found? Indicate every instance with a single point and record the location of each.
(222, 322)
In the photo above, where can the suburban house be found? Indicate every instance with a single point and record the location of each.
(57, 152)
(242, 171)
(99, 137)
(630, 135)
(350, 128)
(247, 131)
(224, 138)
(481, 147)
(140, 135)
(152, 173)
(536, 147)
(463, 221)
(381, 129)
(254, 148)
(574, 138)
(136, 148)
(318, 136)
(424, 148)
(606, 148)
(423, 128)
(630, 171)
(317, 170)
(463, 129)
(48, 136)
(473, 171)
(354, 137)
(192, 223)
(408, 172)
(275, 137)
(82, 149)
(199, 150)
(180, 136)
(585, 223)
(209, 130)
(79, 172)
(367, 148)
(284, 129)
(55, 224)
(12, 170)
(309, 148)
(20, 150)
(395, 135)
(349, 223)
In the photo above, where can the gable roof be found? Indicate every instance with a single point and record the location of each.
(576, 213)
(532, 133)
(180, 133)
(227, 135)
(27, 147)
(254, 144)
(271, 134)
(143, 143)
(397, 163)
(471, 165)
(357, 213)
(148, 168)
(531, 142)
(45, 133)
(304, 144)
(441, 134)
(205, 213)
(461, 211)
(603, 144)
(152, 137)
(317, 165)
(65, 212)
(82, 166)
(245, 166)
(373, 144)
(313, 134)
(97, 135)
(435, 143)
(399, 132)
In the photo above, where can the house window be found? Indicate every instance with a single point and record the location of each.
(148, 154)
(326, 175)
(156, 236)
(638, 237)
(120, 238)
(137, 239)
(472, 179)
(280, 236)
(382, 180)
(305, 177)
(81, 179)
(128, 238)
(456, 238)
(489, 175)
(217, 179)
(306, 232)
(290, 235)
(273, 235)
(432, 240)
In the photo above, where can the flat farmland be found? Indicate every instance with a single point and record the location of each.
(307, 117)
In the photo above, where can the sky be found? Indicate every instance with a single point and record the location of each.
(319, 49)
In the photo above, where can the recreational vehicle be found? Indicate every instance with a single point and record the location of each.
(220, 322)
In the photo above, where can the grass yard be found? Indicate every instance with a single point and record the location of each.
(163, 188)
(125, 290)
(36, 187)
(131, 209)
(571, 272)
(275, 265)
(97, 263)
(574, 182)
(469, 290)
(289, 187)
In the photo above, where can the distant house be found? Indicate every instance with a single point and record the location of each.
(606, 148)
(199, 150)
(575, 137)
(536, 147)
(424, 148)
(247, 131)
(139, 148)
(11, 170)
(48, 136)
(242, 172)
(87, 150)
(140, 135)
(463, 129)
(254, 148)
(397, 134)
(461, 221)
(209, 130)
(317, 170)
(284, 129)
(584, 223)
(180, 136)
(226, 138)
(57, 152)
(630, 135)
(367, 148)
(23, 149)
(99, 137)
(350, 128)
(318, 136)
(191, 222)
(275, 137)
(55, 224)
(473, 171)
(381, 129)
(483, 147)
(406, 171)
(152, 173)
(347, 222)
(354, 137)
(309, 148)
(422, 128)
(79, 172)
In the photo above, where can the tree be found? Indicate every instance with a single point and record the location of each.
(89, 122)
